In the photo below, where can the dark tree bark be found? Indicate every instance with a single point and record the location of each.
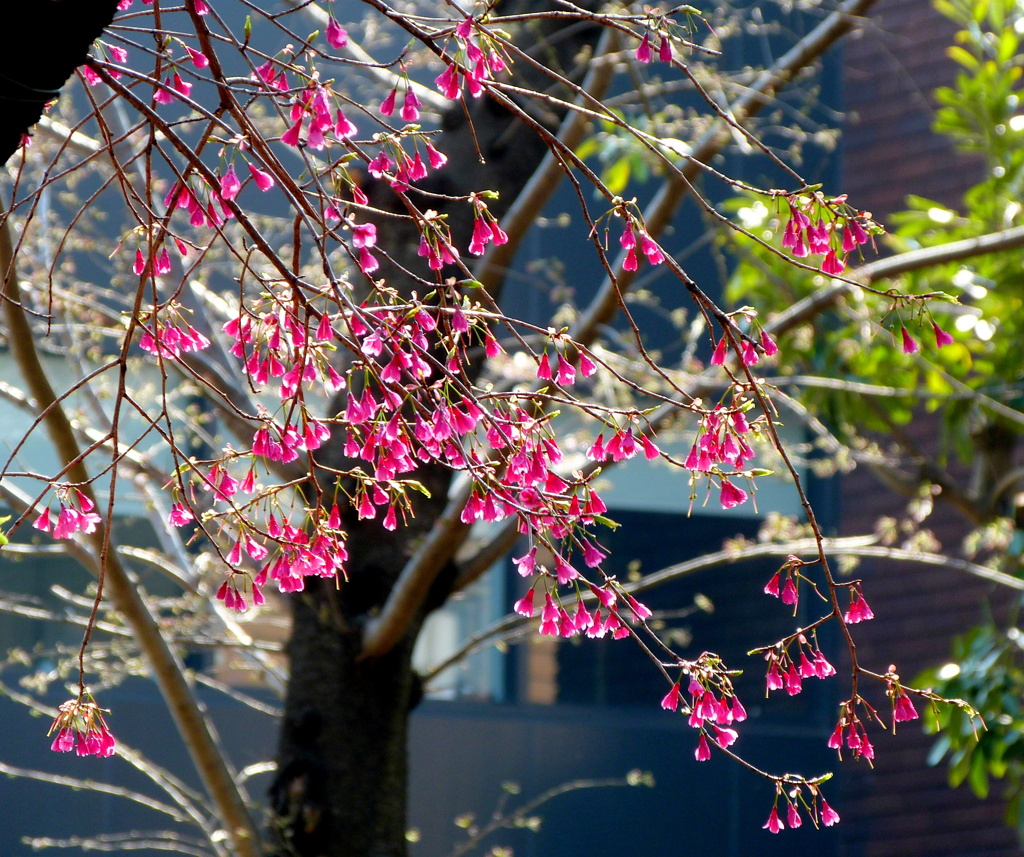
(54, 40)
(342, 781)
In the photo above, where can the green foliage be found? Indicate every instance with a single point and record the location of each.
(887, 388)
(980, 114)
(987, 671)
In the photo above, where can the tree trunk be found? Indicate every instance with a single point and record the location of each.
(52, 40)
(342, 761)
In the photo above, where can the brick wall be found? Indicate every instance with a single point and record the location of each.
(891, 69)
(902, 808)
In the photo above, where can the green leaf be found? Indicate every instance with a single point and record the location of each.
(963, 57)
(978, 778)
(616, 177)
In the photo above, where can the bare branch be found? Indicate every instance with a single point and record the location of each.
(856, 546)
(659, 212)
(802, 312)
(167, 667)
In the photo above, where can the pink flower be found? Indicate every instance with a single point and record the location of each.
(672, 699)
(80, 726)
(566, 372)
(411, 106)
(828, 815)
(768, 345)
(909, 345)
(229, 183)
(364, 235)
(344, 128)
(718, 357)
(731, 495)
(524, 606)
(903, 709)
(90, 76)
(774, 823)
(651, 250)
(291, 137)
(64, 742)
(198, 58)
(264, 180)
(793, 817)
(337, 37)
(643, 52)
(43, 522)
(387, 107)
(665, 50)
(448, 82)
(703, 751)
(941, 337)
(832, 264)
(790, 595)
(180, 515)
(725, 737)
(436, 158)
(641, 611)
(859, 610)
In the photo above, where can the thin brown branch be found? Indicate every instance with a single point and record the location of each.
(802, 312)
(168, 670)
(449, 532)
(810, 307)
(542, 184)
(659, 212)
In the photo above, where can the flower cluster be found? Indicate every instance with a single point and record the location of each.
(785, 672)
(825, 227)
(850, 730)
(393, 420)
(902, 706)
(623, 443)
(721, 440)
(748, 351)
(476, 59)
(77, 515)
(167, 334)
(400, 168)
(411, 104)
(644, 53)
(564, 374)
(859, 610)
(714, 707)
(661, 30)
(486, 228)
(633, 236)
(80, 726)
(790, 591)
(313, 113)
(909, 345)
(816, 808)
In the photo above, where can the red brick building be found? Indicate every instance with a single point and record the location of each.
(903, 808)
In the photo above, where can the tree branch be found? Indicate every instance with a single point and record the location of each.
(449, 532)
(801, 312)
(420, 572)
(858, 546)
(902, 263)
(168, 670)
(491, 269)
(659, 212)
